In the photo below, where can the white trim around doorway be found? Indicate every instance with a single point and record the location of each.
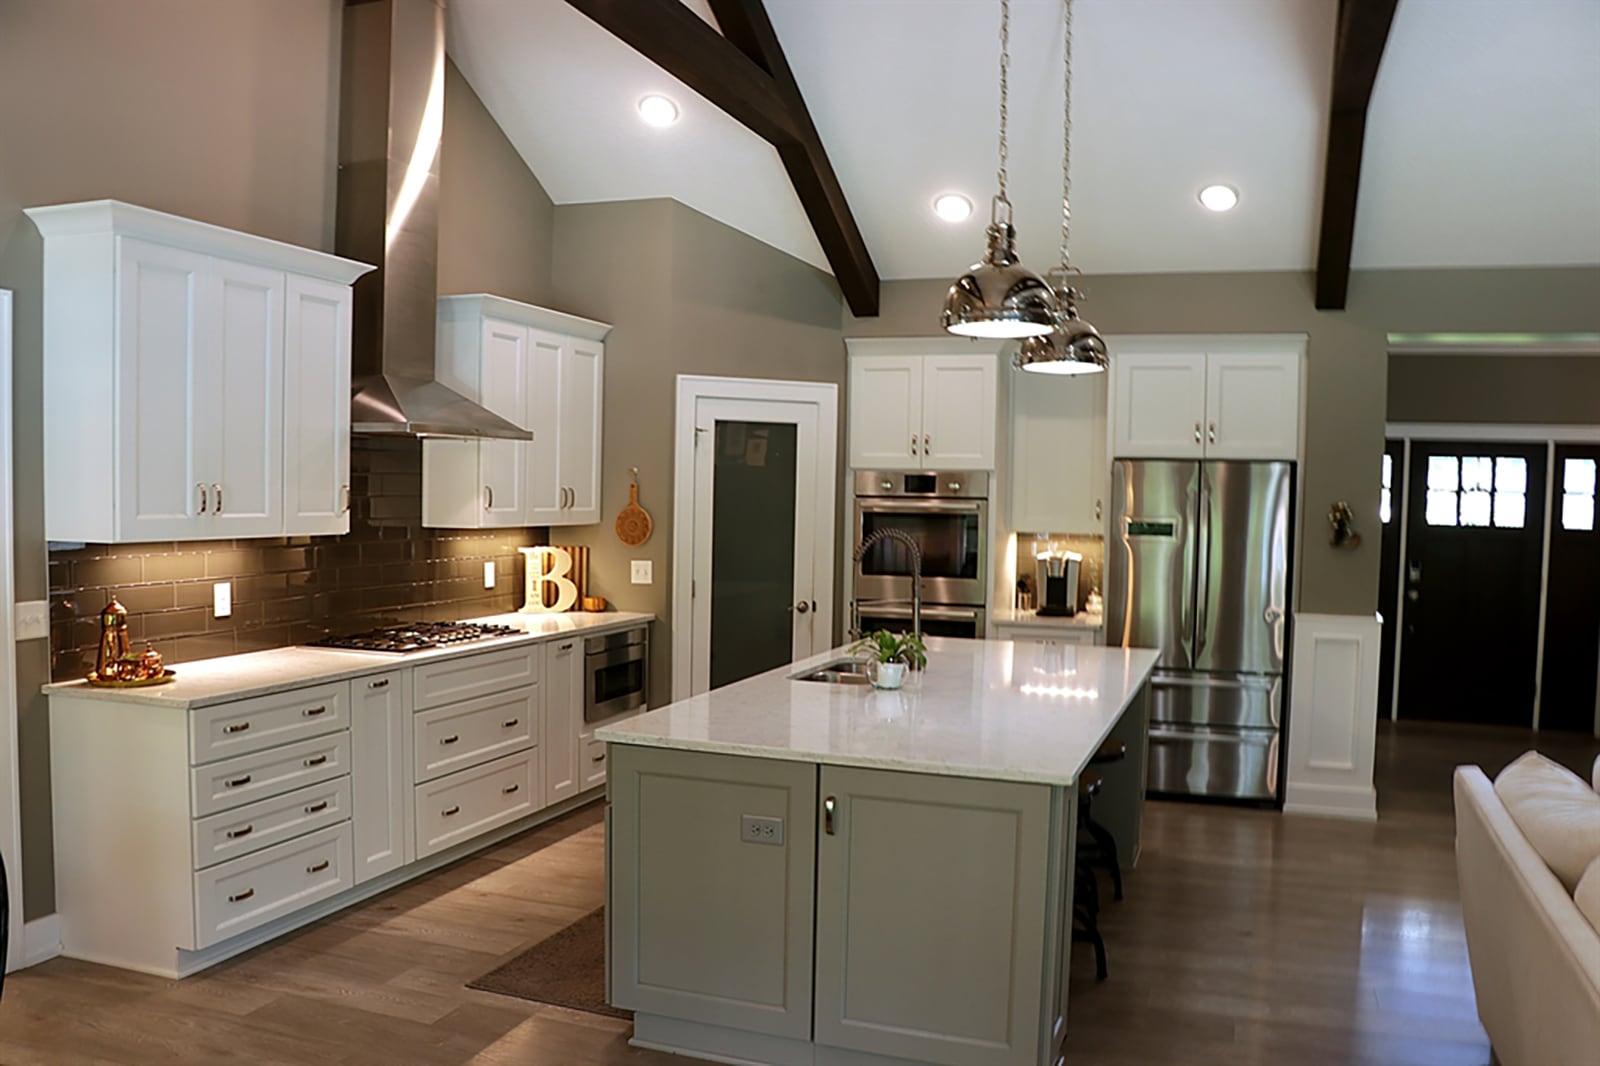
(693, 388)
(10, 793)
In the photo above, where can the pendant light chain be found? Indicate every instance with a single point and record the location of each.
(1005, 64)
(1066, 142)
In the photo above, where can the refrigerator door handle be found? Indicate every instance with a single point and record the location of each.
(1203, 567)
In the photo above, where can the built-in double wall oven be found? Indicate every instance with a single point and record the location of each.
(947, 514)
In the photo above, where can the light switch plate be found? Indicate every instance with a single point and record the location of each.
(33, 620)
(754, 829)
(222, 599)
(488, 574)
(643, 572)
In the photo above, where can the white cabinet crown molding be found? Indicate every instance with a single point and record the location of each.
(483, 303)
(101, 216)
(933, 345)
(1190, 343)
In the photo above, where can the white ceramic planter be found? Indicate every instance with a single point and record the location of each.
(888, 675)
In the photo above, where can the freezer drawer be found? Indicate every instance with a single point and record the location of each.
(1243, 701)
(1221, 763)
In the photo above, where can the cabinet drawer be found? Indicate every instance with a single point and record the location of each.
(1048, 635)
(270, 821)
(466, 734)
(268, 773)
(436, 684)
(459, 807)
(593, 768)
(230, 729)
(246, 892)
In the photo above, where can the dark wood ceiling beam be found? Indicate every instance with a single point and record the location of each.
(743, 71)
(1363, 31)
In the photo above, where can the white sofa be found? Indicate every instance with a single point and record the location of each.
(1535, 956)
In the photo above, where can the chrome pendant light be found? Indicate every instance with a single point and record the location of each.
(1073, 346)
(1000, 297)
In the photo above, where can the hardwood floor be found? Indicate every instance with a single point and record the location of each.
(1246, 938)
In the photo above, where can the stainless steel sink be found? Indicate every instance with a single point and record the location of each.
(838, 672)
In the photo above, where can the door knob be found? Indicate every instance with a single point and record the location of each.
(802, 607)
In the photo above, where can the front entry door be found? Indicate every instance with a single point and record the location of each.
(1474, 546)
(762, 558)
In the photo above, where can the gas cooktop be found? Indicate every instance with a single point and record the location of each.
(416, 636)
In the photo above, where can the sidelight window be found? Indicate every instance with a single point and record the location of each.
(1477, 490)
(1385, 507)
(1577, 495)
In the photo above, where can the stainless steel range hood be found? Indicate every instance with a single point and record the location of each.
(391, 116)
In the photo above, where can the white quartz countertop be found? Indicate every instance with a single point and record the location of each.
(261, 673)
(1010, 616)
(990, 709)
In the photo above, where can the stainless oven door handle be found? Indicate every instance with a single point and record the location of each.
(896, 610)
(900, 504)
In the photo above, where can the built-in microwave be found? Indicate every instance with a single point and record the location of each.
(946, 513)
(616, 674)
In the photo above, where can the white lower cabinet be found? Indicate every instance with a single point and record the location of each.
(229, 834)
(465, 734)
(1046, 634)
(563, 720)
(380, 766)
(594, 763)
(470, 802)
(244, 893)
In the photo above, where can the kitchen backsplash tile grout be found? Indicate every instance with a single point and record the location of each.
(287, 590)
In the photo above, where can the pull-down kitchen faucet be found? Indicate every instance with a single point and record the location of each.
(902, 537)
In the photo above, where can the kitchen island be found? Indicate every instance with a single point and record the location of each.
(811, 873)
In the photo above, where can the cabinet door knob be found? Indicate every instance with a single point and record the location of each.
(1097, 510)
(312, 712)
(600, 758)
(1197, 433)
(913, 444)
(241, 897)
(828, 806)
(237, 727)
(381, 683)
(510, 789)
(217, 488)
(1212, 433)
(235, 834)
(345, 509)
(319, 867)
(316, 760)
(509, 722)
(204, 500)
(488, 497)
(317, 808)
(451, 739)
(450, 812)
(238, 781)
(927, 445)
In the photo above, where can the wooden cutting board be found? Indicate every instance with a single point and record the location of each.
(633, 522)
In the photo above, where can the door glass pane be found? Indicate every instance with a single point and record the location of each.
(1442, 474)
(1577, 512)
(1510, 509)
(1441, 507)
(1578, 477)
(1475, 508)
(1477, 472)
(752, 549)
(1511, 474)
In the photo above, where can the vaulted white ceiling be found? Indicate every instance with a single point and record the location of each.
(1483, 140)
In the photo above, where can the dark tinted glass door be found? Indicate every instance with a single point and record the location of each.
(1474, 548)
(1572, 612)
(1392, 491)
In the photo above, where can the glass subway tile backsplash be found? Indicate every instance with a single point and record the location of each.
(288, 590)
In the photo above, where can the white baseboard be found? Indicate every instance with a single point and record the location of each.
(1333, 716)
(41, 940)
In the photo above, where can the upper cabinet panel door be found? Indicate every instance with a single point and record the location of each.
(582, 386)
(886, 412)
(169, 412)
(316, 408)
(958, 411)
(1252, 405)
(544, 495)
(503, 386)
(1160, 405)
(1059, 475)
(246, 348)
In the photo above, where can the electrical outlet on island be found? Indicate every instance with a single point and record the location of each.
(643, 572)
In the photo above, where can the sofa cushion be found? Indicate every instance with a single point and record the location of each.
(1587, 897)
(1556, 810)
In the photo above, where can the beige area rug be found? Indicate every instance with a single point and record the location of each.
(567, 969)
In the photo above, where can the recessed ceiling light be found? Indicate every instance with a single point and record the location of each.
(658, 110)
(1219, 197)
(952, 207)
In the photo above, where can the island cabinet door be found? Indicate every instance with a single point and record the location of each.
(711, 913)
(931, 916)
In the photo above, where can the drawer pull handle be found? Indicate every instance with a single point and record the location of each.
(510, 789)
(509, 722)
(237, 727)
(448, 811)
(451, 739)
(312, 712)
(241, 897)
(235, 834)
(316, 760)
(601, 757)
(319, 867)
(384, 683)
(317, 808)
(236, 782)
(567, 646)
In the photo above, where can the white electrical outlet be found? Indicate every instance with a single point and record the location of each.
(754, 829)
(33, 620)
(643, 572)
(488, 574)
(222, 599)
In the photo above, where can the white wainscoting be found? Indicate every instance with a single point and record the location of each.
(1333, 716)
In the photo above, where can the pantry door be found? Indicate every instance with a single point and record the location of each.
(758, 523)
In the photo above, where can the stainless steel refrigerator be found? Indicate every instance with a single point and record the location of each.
(1198, 566)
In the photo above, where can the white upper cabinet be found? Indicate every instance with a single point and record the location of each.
(540, 369)
(1059, 472)
(189, 372)
(922, 404)
(1207, 397)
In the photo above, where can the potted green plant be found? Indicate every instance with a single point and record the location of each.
(890, 654)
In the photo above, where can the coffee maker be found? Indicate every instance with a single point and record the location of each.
(1058, 582)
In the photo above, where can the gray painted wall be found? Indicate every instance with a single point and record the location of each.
(686, 295)
(1516, 389)
(1347, 372)
(223, 112)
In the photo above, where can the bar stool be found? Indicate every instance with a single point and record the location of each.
(1104, 855)
(1086, 888)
